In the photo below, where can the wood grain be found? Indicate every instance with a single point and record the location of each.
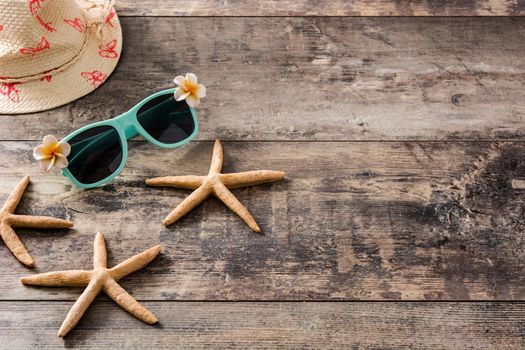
(318, 78)
(320, 8)
(259, 325)
(354, 220)
(379, 220)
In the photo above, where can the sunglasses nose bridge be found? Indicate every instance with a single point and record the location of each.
(130, 131)
(128, 126)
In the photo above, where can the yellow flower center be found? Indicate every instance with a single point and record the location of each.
(189, 87)
(51, 150)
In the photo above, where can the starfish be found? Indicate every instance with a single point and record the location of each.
(8, 220)
(217, 184)
(100, 278)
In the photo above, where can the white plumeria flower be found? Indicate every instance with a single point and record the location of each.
(189, 89)
(52, 153)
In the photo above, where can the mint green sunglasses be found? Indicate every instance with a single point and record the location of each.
(99, 150)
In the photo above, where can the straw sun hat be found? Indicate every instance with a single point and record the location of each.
(54, 51)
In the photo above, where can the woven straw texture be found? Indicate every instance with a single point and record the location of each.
(54, 51)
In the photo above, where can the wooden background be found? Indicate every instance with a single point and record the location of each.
(401, 223)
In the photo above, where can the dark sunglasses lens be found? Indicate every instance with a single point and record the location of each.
(95, 154)
(166, 120)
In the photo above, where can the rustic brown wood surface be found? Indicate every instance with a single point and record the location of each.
(318, 78)
(354, 220)
(259, 325)
(321, 8)
(402, 140)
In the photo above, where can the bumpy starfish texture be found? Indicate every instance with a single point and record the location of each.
(8, 220)
(99, 279)
(216, 184)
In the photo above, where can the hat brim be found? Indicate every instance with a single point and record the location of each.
(90, 70)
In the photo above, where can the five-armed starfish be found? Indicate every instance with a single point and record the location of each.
(216, 184)
(100, 278)
(9, 220)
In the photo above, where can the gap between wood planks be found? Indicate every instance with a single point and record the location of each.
(105, 299)
(138, 139)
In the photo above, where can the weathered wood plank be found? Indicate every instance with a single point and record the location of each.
(354, 220)
(318, 78)
(320, 8)
(259, 325)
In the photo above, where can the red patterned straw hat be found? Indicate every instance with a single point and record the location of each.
(55, 51)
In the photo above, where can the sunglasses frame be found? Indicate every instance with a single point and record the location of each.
(128, 126)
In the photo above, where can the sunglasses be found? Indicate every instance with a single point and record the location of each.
(99, 150)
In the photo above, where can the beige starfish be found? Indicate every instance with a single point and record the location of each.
(216, 184)
(8, 220)
(100, 278)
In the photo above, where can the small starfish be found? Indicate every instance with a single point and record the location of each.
(100, 278)
(8, 220)
(217, 184)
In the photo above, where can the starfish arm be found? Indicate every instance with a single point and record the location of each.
(80, 306)
(191, 182)
(127, 302)
(134, 263)
(250, 178)
(233, 203)
(15, 196)
(216, 158)
(38, 221)
(70, 278)
(100, 255)
(194, 199)
(15, 245)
